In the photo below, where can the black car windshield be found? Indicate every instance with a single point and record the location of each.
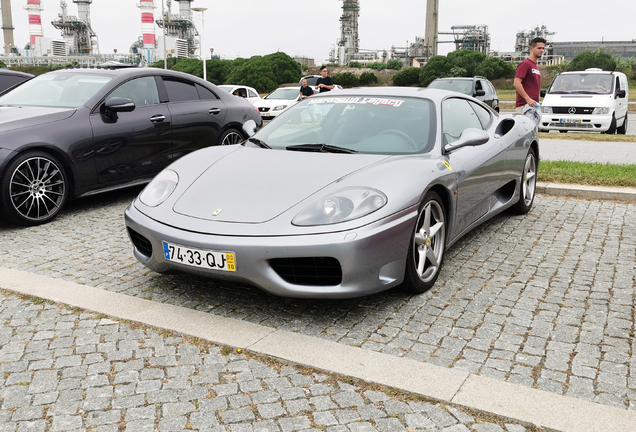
(56, 89)
(583, 83)
(288, 93)
(459, 85)
(363, 124)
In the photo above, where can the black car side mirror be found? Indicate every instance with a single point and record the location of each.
(480, 93)
(119, 104)
(542, 93)
(620, 94)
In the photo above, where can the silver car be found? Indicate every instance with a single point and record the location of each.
(342, 195)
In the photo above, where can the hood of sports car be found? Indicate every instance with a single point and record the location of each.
(13, 117)
(256, 186)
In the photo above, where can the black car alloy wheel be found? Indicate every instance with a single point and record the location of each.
(230, 137)
(34, 189)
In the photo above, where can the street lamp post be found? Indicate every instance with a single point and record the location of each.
(163, 27)
(202, 10)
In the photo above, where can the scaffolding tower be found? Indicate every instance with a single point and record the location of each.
(77, 32)
(180, 26)
(471, 37)
(523, 38)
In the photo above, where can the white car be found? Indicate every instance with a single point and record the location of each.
(248, 93)
(277, 101)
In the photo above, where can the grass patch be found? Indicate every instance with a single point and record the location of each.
(577, 136)
(592, 174)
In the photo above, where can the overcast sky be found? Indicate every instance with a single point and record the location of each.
(243, 28)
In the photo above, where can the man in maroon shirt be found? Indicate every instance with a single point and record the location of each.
(528, 77)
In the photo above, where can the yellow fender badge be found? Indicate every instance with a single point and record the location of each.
(447, 166)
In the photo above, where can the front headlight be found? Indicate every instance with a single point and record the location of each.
(279, 107)
(546, 110)
(344, 205)
(160, 188)
(600, 111)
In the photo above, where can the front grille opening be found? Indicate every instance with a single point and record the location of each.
(316, 271)
(142, 244)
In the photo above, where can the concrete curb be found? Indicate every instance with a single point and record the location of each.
(581, 191)
(468, 390)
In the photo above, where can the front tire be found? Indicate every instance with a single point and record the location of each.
(33, 189)
(612, 127)
(623, 129)
(527, 185)
(230, 137)
(427, 246)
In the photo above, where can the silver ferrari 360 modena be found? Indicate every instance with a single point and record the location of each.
(342, 195)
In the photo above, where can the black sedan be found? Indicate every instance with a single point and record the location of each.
(9, 78)
(75, 132)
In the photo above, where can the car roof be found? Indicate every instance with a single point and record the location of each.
(419, 92)
(16, 73)
(589, 71)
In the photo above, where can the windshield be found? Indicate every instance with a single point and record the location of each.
(288, 93)
(226, 88)
(59, 90)
(458, 85)
(364, 124)
(311, 81)
(582, 83)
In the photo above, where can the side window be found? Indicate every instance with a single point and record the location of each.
(142, 91)
(180, 91)
(7, 81)
(457, 115)
(492, 88)
(478, 86)
(482, 113)
(252, 94)
(205, 94)
(618, 84)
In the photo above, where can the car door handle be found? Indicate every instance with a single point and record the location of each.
(157, 118)
(215, 111)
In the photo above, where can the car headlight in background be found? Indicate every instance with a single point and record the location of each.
(344, 205)
(546, 110)
(279, 108)
(160, 188)
(600, 111)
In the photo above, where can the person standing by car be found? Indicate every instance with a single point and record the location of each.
(305, 90)
(324, 83)
(528, 77)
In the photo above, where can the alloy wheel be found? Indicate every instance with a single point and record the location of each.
(429, 241)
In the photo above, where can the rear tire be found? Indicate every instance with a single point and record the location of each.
(623, 129)
(427, 246)
(527, 185)
(33, 189)
(563, 131)
(230, 137)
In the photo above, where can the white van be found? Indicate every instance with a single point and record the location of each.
(592, 100)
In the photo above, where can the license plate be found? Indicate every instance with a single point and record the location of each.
(570, 121)
(214, 260)
(266, 114)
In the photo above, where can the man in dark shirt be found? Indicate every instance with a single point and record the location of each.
(324, 83)
(305, 90)
(528, 77)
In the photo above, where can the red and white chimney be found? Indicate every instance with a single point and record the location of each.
(147, 23)
(35, 21)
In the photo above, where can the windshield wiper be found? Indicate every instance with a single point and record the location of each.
(259, 143)
(321, 148)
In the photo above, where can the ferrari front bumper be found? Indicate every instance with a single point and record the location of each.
(372, 257)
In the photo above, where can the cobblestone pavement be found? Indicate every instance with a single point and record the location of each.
(545, 300)
(65, 370)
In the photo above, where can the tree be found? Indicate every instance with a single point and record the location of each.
(407, 77)
(346, 79)
(437, 66)
(2, 65)
(598, 58)
(394, 64)
(368, 79)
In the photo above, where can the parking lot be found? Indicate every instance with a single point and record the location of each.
(545, 300)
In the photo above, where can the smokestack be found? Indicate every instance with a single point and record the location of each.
(7, 26)
(147, 23)
(431, 31)
(34, 8)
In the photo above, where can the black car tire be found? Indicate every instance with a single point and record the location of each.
(231, 136)
(623, 129)
(612, 127)
(33, 189)
(427, 246)
(563, 131)
(527, 185)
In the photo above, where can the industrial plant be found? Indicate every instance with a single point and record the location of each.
(178, 37)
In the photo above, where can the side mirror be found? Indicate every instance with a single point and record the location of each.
(470, 137)
(119, 104)
(620, 93)
(542, 93)
(249, 127)
(480, 93)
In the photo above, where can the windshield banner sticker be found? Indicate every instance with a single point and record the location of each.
(358, 100)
